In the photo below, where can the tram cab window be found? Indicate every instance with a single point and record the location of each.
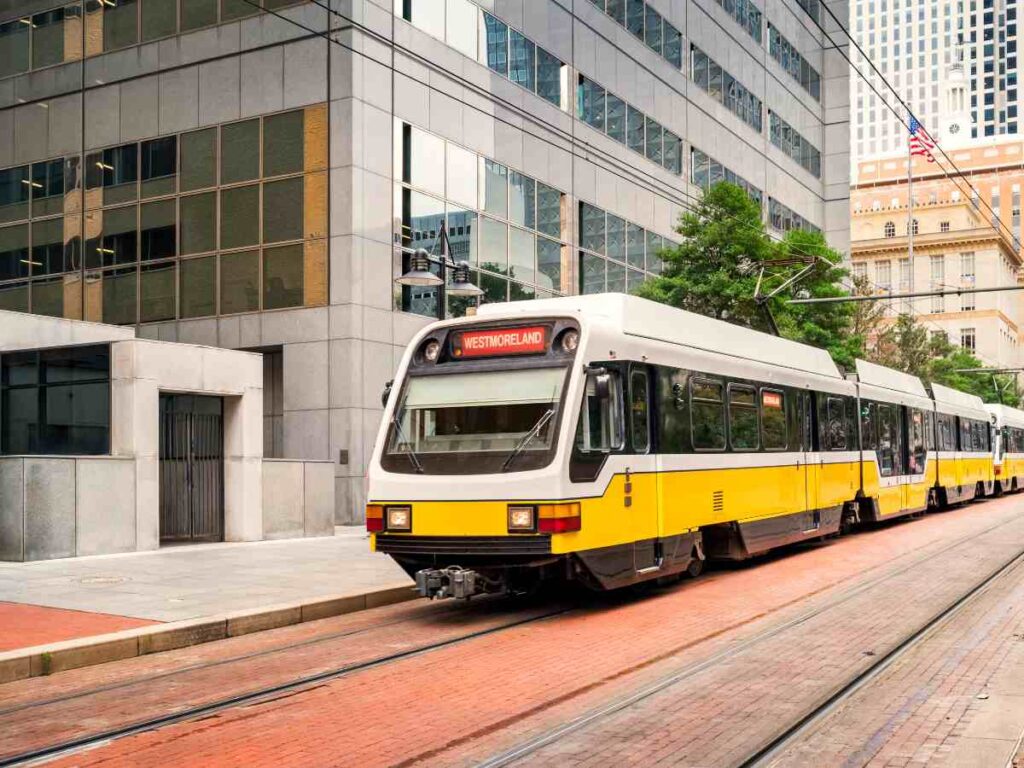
(638, 411)
(707, 414)
(774, 435)
(742, 418)
(601, 429)
(917, 452)
(835, 425)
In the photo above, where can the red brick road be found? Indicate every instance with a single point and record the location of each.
(465, 702)
(22, 626)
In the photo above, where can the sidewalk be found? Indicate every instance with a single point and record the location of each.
(57, 600)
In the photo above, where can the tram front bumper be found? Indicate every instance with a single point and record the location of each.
(439, 583)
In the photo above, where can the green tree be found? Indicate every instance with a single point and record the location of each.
(714, 271)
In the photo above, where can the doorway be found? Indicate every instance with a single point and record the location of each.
(191, 469)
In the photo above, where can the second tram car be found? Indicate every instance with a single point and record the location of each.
(613, 440)
(1008, 447)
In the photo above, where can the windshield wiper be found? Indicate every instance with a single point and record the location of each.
(405, 438)
(528, 437)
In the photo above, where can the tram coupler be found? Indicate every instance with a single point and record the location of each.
(439, 583)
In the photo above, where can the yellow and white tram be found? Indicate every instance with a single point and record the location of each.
(1008, 448)
(613, 440)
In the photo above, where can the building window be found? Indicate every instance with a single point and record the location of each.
(705, 172)
(937, 265)
(967, 339)
(746, 14)
(726, 89)
(617, 255)
(606, 112)
(967, 302)
(156, 215)
(890, 229)
(796, 65)
(883, 275)
(912, 226)
(943, 226)
(783, 219)
(786, 138)
(55, 401)
(648, 26)
(859, 270)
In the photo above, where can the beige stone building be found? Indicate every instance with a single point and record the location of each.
(961, 239)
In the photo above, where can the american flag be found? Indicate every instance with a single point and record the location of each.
(920, 142)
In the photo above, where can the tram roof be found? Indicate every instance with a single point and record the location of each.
(957, 399)
(888, 378)
(649, 319)
(1008, 415)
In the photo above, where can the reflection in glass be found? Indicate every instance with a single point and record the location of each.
(495, 288)
(282, 277)
(519, 292)
(199, 223)
(119, 296)
(635, 129)
(422, 219)
(635, 17)
(158, 292)
(654, 245)
(616, 243)
(522, 199)
(634, 280)
(493, 245)
(240, 216)
(495, 188)
(159, 166)
(549, 77)
(240, 151)
(118, 241)
(283, 143)
(616, 278)
(654, 141)
(591, 273)
(48, 247)
(549, 210)
(616, 118)
(424, 160)
(462, 176)
(592, 104)
(549, 264)
(495, 41)
(282, 210)
(592, 228)
(239, 282)
(652, 30)
(198, 159)
(47, 188)
(159, 230)
(462, 234)
(14, 252)
(522, 63)
(198, 283)
(522, 255)
(14, 193)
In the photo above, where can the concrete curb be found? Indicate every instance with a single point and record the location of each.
(41, 660)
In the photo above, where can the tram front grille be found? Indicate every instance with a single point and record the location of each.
(464, 545)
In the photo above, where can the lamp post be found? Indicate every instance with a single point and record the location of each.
(418, 274)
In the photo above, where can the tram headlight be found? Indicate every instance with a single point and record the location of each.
(522, 519)
(569, 341)
(399, 518)
(432, 351)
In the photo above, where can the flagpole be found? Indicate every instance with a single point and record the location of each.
(910, 219)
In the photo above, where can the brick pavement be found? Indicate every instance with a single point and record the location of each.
(22, 626)
(467, 701)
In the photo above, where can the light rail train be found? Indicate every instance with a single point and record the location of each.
(612, 440)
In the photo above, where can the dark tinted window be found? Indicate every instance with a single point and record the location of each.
(868, 432)
(835, 425)
(774, 435)
(55, 401)
(707, 414)
(742, 418)
(638, 411)
(887, 442)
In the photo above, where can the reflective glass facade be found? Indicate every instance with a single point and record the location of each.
(615, 255)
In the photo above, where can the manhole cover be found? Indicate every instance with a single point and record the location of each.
(103, 580)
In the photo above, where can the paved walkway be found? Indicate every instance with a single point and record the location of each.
(183, 582)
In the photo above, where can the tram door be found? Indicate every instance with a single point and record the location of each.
(809, 456)
(640, 490)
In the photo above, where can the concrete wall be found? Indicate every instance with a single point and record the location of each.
(23, 331)
(54, 507)
(298, 498)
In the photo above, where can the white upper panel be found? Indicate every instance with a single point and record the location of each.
(1007, 416)
(888, 378)
(949, 399)
(649, 319)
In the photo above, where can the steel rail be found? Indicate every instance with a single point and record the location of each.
(553, 735)
(255, 696)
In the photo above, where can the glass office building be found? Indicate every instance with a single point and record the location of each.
(243, 173)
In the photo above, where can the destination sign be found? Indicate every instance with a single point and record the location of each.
(504, 341)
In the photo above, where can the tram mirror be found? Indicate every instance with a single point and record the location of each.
(386, 393)
(603, 386)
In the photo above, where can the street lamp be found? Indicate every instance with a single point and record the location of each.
(419, 275)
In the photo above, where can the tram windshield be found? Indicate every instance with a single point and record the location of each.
(501, 420)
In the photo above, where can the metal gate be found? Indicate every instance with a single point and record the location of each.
(191, 468)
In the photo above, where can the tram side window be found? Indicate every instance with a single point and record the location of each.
(965, 434)
(887, 425)
(916, 442)
(929, 431)
(868, 433)
(774, 436)
(707, 414)
(638, 411)
(601, 429)
(742, 418)
(835, 425)
(673, 413)
(947, 432)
